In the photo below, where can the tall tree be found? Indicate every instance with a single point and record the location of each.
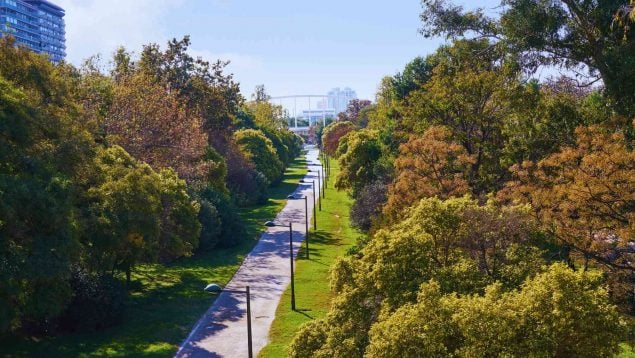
(574, 34)
(155, 127)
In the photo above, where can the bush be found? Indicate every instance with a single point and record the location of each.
(97, 302)
(211, 226)
(368, 205)
(231, 229)
(260, 151)
(248, 186)
(309, 339)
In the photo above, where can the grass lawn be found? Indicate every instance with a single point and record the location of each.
(313, 297)
(166, 301)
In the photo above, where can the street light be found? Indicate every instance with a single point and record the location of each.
(320, 181)
(312, 182)
(306, 219)
(324, 181)
(273, 224)
(216, 289)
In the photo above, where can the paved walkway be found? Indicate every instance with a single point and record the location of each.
(222, 331)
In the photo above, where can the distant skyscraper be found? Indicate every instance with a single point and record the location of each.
(37, 24)
(338, 99)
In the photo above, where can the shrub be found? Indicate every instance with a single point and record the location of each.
(260, 151)
(98, 301)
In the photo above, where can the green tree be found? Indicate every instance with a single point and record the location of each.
(469, 92)
(573, 34)
(137, 215)
(559, 312)
(260, 151)
(44, 149)
(358, 152)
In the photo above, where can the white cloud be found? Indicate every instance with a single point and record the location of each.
(99, 26)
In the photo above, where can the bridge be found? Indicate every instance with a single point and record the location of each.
(304, 112)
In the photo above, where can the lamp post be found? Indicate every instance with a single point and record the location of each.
(324, 181)
(312, 182)
(214, 288)
(273, 224)
(306, 219)
(320, 180)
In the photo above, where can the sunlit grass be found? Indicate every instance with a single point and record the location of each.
(313, 297)
(165, 301)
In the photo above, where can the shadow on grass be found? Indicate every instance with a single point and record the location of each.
(165, 301)
(318, 240)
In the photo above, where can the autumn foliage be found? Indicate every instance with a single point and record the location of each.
(333, 133)
(430, 165)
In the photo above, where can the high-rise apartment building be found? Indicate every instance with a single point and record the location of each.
(37, 24)
(338, 99)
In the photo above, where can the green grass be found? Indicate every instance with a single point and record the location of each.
(166, 301)
(313, 297)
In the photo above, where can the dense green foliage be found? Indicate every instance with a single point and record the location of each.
(499, 208)
(101, 172)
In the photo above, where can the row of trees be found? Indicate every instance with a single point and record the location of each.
(499, 209)
(103, 170)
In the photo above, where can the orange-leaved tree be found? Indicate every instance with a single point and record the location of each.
(585, 196)
(332, 135)
(428, 166)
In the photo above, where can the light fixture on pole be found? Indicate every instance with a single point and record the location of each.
(273, 224)
(306, 219)
(312, 182)
(215, 289)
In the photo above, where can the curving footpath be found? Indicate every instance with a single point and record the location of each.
(222, 331)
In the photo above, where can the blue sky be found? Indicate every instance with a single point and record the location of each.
(292, 47)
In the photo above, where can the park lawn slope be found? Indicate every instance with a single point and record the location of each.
(165, 301)
(333, 239)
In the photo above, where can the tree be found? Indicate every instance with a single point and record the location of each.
(154, 126)
(333, 133)
(544, 118)
(557, 313)
(260, 151)
(260, 94)
(574, 34)
(137, 215)
(428, 166)
(358, 152)
(584, 196)
(44, 148)
(462, 245)
(354, 112)
(368, 205)
(469, 93)
(416, 73)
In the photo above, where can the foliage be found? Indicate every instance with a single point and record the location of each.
(358, 152)
(428, 166)
(138, 215)
(574, 34)
(355, 112)
(584, 195)
(461, 244)
(470, 95)
(260, 151)
(333, 133)
(97, 302)
(368, 205)
(416, 73)
(221, 224)
(558, 313)
(44, 147)
(154, 127)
